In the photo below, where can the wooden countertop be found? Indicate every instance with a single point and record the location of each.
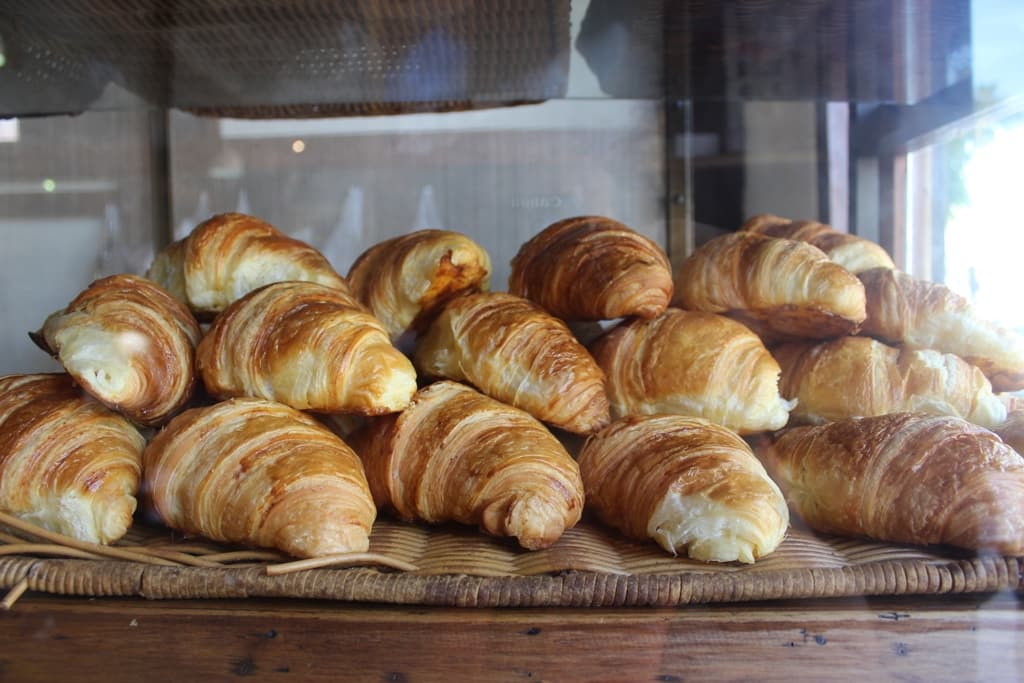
(935, 638)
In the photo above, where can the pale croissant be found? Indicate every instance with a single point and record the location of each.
(904, 477)
(593, 268)
(309, 346)
(404, 281)
(130, 344)
(781, 288)
(457, 455)
(692, 363)
(67, 463)
(692, 486)
(928, 315)
(854, 253)
(514, 351)
(228, 255)
(259, 473)
(858, 377)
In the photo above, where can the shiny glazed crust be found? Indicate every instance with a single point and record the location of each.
(67, 463)
(691, 485)
(309, 346)
(593, 268)
(404, 281)
(781, 288)
(512, 350)
(692, 363)
(130, 344)
(259, 473)
(457, 455)
(904, 477)
(856, 254)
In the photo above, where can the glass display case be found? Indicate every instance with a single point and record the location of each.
(124, 125)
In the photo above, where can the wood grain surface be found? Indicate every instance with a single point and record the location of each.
(954, 638)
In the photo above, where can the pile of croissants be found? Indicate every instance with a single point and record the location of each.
(246, 392)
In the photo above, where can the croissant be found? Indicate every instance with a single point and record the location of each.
(857, 377)
(130, 344)
(780, 288)
(259, 473)
(231, 254)
(593, 268)
(457, 455)
(404, 281)
(904, 477)
(856, 254)
(927, 315)
(512, 350)
(309, 346)
(67, 463)
(1012, 430)
(692, 486)
(692, 363)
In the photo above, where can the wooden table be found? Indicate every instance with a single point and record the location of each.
(956, 638)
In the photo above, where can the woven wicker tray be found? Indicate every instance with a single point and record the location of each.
(588, 567)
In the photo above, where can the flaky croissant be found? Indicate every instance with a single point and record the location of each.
(928, 315)
(1012, 430)
(259, 473)
(692, 486)
(692, 363)
(457, 455)
(858, 377)
(130, 344)
(593, 268)
(781, 288)
(856, 254)
(904, 477)
(309, 346)
(404, 281)
(67, 463)
(228, 255)
(514, 351)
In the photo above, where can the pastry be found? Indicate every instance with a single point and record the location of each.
(692, 363)
(514, 351)
(457, 455)
(67, 463)
(858, 377)
(130, 344)
(856, 254)
(309, 346)
(1012, 430)
(690, 485)
(904, 477)
(592, 268)
(259, 473)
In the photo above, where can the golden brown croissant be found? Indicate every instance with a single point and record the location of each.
(904, 477)
(457, 455)
(858, 377)
(512, 350)
(781, 288)
(228, 255)
(1012, 430)
(856, 254)
(691, 485)
(309, 346)
(692, 363)
(404, 281)
(259, 473)
(67, 463)
(592, 268)
(927, 315)
(130, 344)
